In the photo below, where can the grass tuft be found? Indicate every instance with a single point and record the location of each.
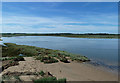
(50, 80)
(42, 73)
(47, 59)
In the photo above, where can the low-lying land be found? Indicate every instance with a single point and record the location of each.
(88, 35)
(12, 54)
(39, 65)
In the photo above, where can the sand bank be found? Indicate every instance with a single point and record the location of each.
(71, 71)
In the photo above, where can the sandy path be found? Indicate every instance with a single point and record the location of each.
(71, 71)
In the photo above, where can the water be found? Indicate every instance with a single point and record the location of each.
(102, 52)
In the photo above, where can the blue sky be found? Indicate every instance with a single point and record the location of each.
(62, 17)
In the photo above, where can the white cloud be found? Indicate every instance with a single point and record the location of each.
(32, 20)
(44, 24)
(36, 20)
(60, 28)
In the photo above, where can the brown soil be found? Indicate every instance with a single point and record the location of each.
(47, 74)
(8, 63)
(24, 76)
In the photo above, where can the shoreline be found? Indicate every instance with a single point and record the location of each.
(90, 63)
(101, 68)
(73, 71)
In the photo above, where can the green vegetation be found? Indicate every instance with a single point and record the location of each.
(42, 73)
(18, 58)
(14, 50)
(62, 57)
(47, 59)
(87, 35)
(12, 54)
(17, 78)
(6, 77)
(44, 77)
(42, 54)
(79, 58)
(6, 58)
(50, 80)
(10, 61)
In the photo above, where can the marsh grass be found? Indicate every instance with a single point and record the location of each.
(15, 50)
(42, 54)
(50, 80)
(47, 59)
(79, 58)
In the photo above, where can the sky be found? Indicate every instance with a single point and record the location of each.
(60, 17)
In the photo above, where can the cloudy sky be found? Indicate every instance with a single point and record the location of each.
(48, 17)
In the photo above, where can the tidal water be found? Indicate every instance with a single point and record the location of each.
(102, 52)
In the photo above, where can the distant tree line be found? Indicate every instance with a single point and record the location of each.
(57, 34)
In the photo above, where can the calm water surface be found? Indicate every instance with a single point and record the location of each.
(101, 51)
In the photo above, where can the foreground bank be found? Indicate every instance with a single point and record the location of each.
(29, 63)
(13, 55)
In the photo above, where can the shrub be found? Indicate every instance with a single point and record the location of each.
(52, 55)
(11, 61)
(64, 60)
(42, 73)
(80, 58)
(17, 78)
(47, 59)
(19, 58)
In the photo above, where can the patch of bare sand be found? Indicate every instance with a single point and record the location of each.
(71, 71)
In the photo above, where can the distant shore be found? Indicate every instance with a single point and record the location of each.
(89, 35)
